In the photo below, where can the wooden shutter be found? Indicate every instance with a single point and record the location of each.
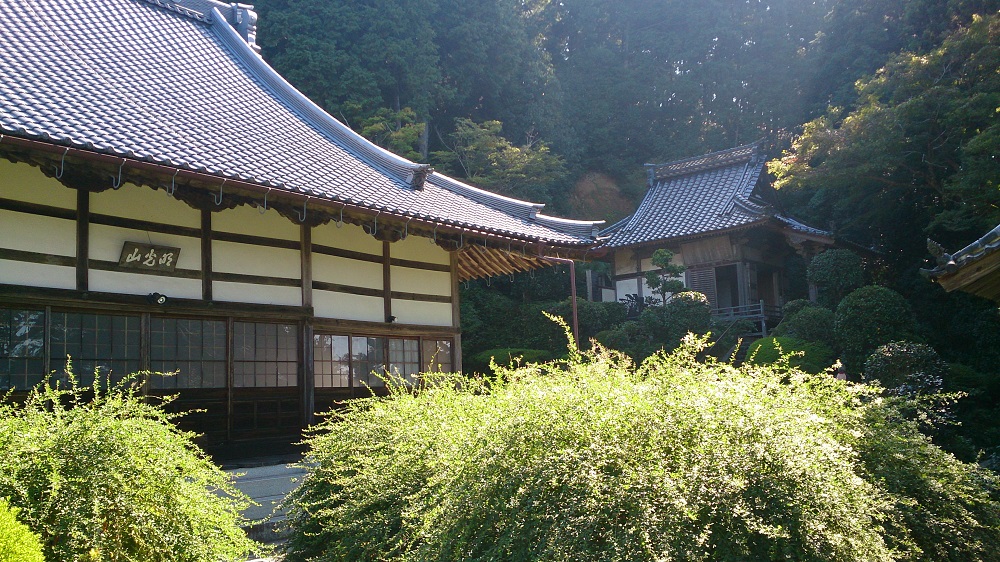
(703, 281)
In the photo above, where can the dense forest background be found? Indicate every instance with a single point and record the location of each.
(882, 119)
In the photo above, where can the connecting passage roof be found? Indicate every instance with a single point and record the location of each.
(180, 84)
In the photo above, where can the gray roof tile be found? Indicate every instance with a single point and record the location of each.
(177, 85)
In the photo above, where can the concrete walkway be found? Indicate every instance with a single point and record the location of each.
(267, 485)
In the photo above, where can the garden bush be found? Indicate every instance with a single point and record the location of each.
(835, 273)
(793, 307)
(106, 475)
(596, 459)
(867, 318)
(907, 368)
(811, 357)
(813, 323)
(17, 542)
(480, 362)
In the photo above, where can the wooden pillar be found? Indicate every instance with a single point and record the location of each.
(82, 240)
(307, 384)
(456, 314)
(206, 255)
(387, 282)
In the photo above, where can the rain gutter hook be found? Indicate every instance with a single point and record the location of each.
(62, 163)
(263, 209)
(115, 184)
(173, 183)
(218, 200)
(302, 215)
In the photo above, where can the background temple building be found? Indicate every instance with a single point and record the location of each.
(717, 214)
(169, 203)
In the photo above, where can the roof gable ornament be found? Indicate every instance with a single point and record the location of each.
(245, 21)
(418, 176)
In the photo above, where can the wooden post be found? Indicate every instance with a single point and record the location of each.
(82, 240)
(206, 255)
(456, 314)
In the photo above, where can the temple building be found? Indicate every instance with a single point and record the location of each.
(169, 203)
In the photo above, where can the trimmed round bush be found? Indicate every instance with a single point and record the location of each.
(907, 368)
(835, 273)
(869, 317)
(793, 307)
(813, 323)
(107, 475)
(17, 542)
(811, 357)
(595, 459)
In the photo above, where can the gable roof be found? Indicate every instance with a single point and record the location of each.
(176, 84)
(698, 196)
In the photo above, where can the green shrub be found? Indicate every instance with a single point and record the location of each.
(835, 273)
(869, 317)
(811, 357)
(684, 312)
(480, 362)
(793, 307)
(17, 542)
(907, 368)
(595, 460)
(813, 323)
(106, 475)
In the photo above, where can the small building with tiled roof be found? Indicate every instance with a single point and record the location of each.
(168, 202)
(717, 215)
(973, 269)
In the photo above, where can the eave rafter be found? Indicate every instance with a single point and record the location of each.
(480, 253)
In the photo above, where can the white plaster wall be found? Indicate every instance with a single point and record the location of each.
(344, 271)
(327, 304)
(128, 283)
(419, 249)
(422, 281)
(144, 203)
(37, 275)
(420, 312)
(22, 182)
(233, 257)
(626, 287)
(32, 233)
(245, 219)
(259, 294)
(348, 237)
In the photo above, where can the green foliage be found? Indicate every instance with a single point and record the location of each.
(665, 281)
(809, 356)
(505, 357)
(906, 368)
(596, 459)
(867, 318)
(835, 273)
(477, 153)
(813, 324)
(17, 542)
(106, 475)
(793, 307)
(661, 326)
(912, 155)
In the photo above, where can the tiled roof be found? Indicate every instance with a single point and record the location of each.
(695, 196)
(988, 244)
(175, 84)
